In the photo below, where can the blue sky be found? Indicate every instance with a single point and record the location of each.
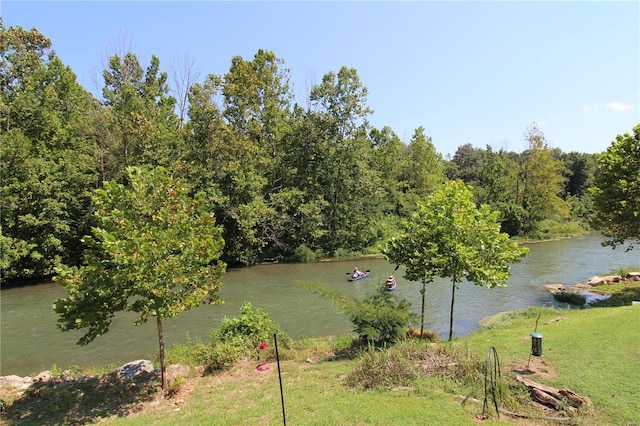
(469, 72)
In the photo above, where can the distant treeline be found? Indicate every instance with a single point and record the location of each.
(284, 181)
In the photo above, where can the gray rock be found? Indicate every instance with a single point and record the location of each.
(15, 382)
(134, 369)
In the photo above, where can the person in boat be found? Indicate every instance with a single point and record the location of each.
(391, 281)
(357, 273)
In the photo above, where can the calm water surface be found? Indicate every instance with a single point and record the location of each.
(30, 341)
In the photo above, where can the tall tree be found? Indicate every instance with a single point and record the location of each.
(466, 165)
(616, 191)
(184, 76)
(47, 163)
(257, 100)
(390, 159)
(145, 125)
(496, 178)
(542, 178)
(339, 108)
(579, 170)
(155, 251)
(449, 237)
(426, 167)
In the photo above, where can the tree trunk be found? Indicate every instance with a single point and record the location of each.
(453, 299)
(163, 365)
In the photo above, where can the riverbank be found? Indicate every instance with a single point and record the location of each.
(316, 389)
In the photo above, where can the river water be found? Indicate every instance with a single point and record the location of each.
(30, 341)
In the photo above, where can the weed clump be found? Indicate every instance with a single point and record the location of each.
(570, 297)
(409, 360)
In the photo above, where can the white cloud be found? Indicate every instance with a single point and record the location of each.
(618, 106)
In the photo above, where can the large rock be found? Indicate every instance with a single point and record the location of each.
(604, 280)
(177, 370)
(14, 382)
(554, 288)
(633, 276)
(134, 369)
(45, 376)
(581, 286)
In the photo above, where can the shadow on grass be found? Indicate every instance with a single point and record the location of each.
(60, 401)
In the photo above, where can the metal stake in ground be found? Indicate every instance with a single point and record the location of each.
(275, 342)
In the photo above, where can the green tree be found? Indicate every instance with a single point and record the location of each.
(579, 170)
(257, 107)
(154, 252)
(389, 159)
(426, 168)
(542, 181)
(467, 165)
(47, 158)
(144, 124)
(346, 180)
(449, 237)
(616, 191)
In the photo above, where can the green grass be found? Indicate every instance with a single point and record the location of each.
(594, 352)
(314, 395)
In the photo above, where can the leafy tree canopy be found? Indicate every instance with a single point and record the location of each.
(154, 252)
(449, 237)
(616, 191)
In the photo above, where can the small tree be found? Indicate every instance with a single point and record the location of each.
(381, 317)
(449, 237)
(154, 251)
(616, 191)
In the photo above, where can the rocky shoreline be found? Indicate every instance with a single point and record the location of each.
(133, 370)
(595, 287)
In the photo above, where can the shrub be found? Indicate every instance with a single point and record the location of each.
(408, 360)
(381, 368)
(429, 335)
(252, 326)
(381, 318)
(193, 352)
(570, 297)
(174, 386)
(224, 354)
(303, 254)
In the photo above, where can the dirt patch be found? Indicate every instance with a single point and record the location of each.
(535, 367)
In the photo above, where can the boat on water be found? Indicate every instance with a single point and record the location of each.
(359, 277)
(391, 283)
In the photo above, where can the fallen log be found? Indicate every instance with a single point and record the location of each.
(578, 399)
(552, 397)
(544, 388)
(551, 402)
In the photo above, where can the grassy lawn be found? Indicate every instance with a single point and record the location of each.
(594, 352)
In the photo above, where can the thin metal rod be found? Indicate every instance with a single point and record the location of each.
(284, 417)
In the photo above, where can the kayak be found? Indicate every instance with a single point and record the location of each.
(365, 275)
(392, 286)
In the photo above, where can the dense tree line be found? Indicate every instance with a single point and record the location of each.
(283, 181)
